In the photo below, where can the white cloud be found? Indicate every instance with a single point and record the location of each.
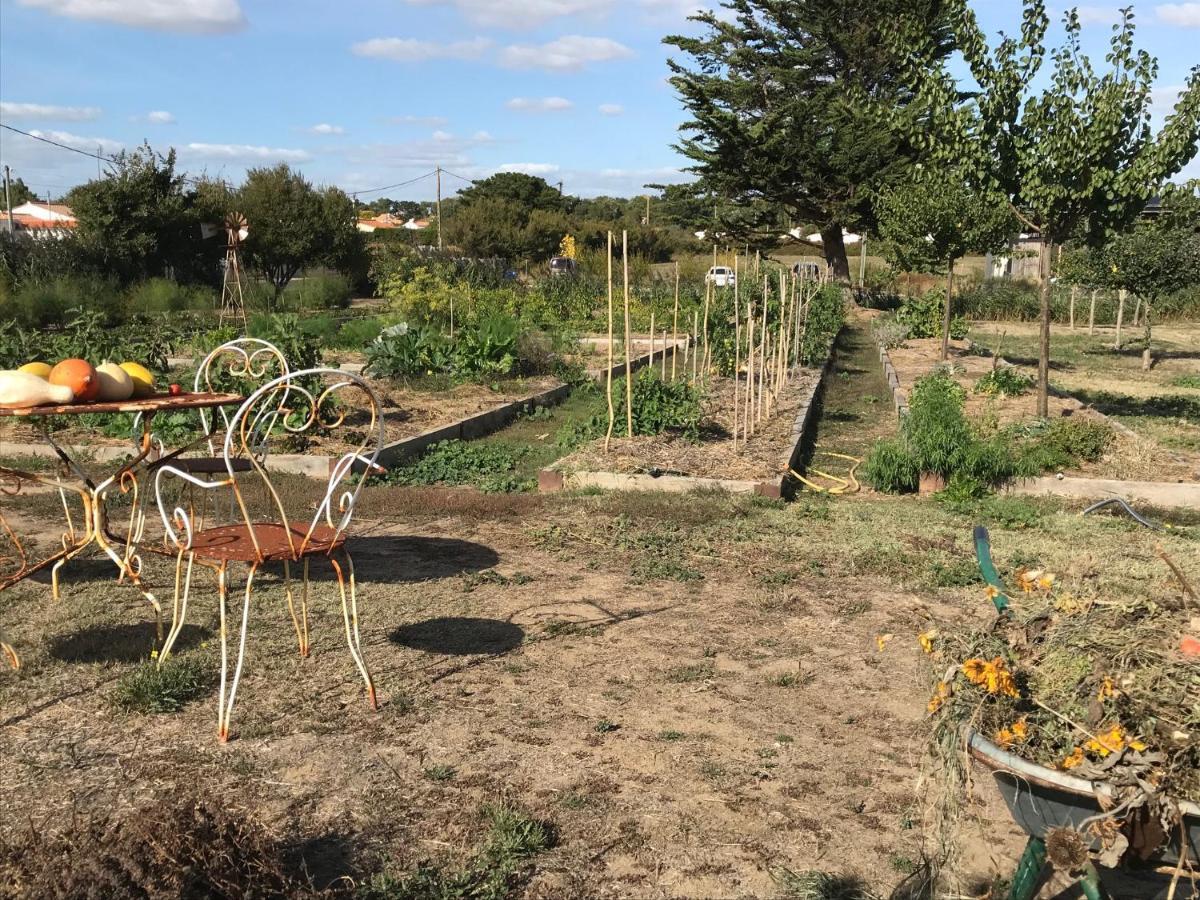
(671, 9)
(530, 168)
(325, 128)
(191, 17)
(569, 53)
(411, 50)
(248, 153)
(104, 146)
(539, 104)
(611, 109)
(442, 136)
(520, 13)
(429, 121)
(482, 137)
(1184, 15)
(1098, 15)
(1163, 99)
(43, 111)
(160, 117)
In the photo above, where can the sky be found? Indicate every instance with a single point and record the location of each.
(367, 94)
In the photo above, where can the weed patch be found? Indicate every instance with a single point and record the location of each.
(168, 688)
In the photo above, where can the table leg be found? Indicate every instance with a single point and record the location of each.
(124, 564)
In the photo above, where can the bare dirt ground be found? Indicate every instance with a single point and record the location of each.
(689, 688)
(1097, 384)
(762, 457)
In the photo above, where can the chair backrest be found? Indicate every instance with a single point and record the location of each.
(343, 409)
(242, 363)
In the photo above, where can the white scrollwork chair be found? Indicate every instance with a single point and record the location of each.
(341, 406)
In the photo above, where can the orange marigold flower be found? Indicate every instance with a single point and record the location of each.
(1074, 759)
(993, 676)
(1108, 689)
(1017, 732)
(940, 696)
(1114, 740)
(927, 638)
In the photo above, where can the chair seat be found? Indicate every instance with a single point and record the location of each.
(234, 542)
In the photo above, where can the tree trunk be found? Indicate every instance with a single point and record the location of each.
(1092, 314)
(1043, 395)
(1137, 308)
(1120, 316)
(1147, 356)
(946, 311)
(835, 252)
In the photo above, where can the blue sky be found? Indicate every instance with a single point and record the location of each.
(366, 93)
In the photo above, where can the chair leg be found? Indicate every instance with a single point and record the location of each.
(9, 652)
(241, 658)
(301, 629)
(183, 588)
(350, 619)
(222, 591)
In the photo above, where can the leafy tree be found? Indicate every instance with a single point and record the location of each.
(292, 225)
(488, 227)
(526, 191)
(1074, 154)
(791, 106)
(19, 192)
(137, 221)
(1152, 260)
(934, 219)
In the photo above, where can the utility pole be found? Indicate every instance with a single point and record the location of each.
(560, 184)
(647, 210)
(439, 206)
(8, 203)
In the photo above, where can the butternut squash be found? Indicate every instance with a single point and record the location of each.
(21, 389)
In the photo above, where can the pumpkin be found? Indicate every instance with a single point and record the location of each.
(23, 389)
(79, 376)
(40, 369)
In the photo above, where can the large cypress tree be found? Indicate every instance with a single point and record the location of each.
(791, 102)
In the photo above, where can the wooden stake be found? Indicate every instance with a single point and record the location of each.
(695, 342)
(675, 324)
(611, 340)
(664, 356)
(628, 360)
(707, 357)
(1074, 294)
(651, 365)
(1092, 314)
(737, 348)
(762, 365)
(748, 425)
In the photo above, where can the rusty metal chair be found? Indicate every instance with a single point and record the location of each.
(327, 400)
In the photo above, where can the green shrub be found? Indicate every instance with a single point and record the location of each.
(659, 406)
(1060, 444)
(486, 348)
(168, 688)
(403, 351)
(892, 468)
(160, 295)
(320, 292)
(49, 303)
(825, 317)
(288, 332)
(358, 333)
(923, 316)
(1003, 381)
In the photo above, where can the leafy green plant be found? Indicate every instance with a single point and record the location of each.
(486, 348)
(892, 468)
(151, 688)
(923, 317)
(487, 466)
(824, 318)
(1003, 381)
(660, 406)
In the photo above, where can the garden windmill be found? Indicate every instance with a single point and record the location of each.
(233, 304)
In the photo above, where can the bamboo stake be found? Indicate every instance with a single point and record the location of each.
(707, 349)
(664, 356)
(611, 340)
(695, 342)
(737, 351)
(1092, 314)
(675, 324)
(781, 353)
(748, 425)
(1074, 294)
(651, 366)
(762, 364)
(628, 361)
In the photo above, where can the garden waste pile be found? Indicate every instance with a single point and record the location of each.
(1096, 674)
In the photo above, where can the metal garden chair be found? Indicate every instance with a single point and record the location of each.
(336, 403)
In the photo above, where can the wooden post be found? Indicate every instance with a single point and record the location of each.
(748, 419)
(695, 342)
(628, 342)
(675, 324)
(1092, 314)
(707, 360)
(737, 351)
(611, 341)
(651, 366)
(1120, 316)
(1074, 294)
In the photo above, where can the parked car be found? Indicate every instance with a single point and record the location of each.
(806, 269)
(721, 276)
(562, 265)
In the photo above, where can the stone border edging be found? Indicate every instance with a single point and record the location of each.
(899, 396)
(1155, 493)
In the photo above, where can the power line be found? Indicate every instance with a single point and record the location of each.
(44, 140)
(388, 187)
(459, 177)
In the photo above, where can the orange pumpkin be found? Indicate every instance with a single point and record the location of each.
(79, 376)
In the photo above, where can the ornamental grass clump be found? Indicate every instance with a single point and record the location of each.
(1085, 674)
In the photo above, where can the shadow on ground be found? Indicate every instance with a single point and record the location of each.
(460, 636)
(118, 643)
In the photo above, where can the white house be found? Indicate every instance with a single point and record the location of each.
(41, 220)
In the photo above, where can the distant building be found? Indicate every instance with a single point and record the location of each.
(41, 220)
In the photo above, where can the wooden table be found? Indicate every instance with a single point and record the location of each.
(92, 493)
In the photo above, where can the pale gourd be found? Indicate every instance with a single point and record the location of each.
(21, 389)
(115, 383)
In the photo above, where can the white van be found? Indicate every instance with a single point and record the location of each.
(721, 276)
